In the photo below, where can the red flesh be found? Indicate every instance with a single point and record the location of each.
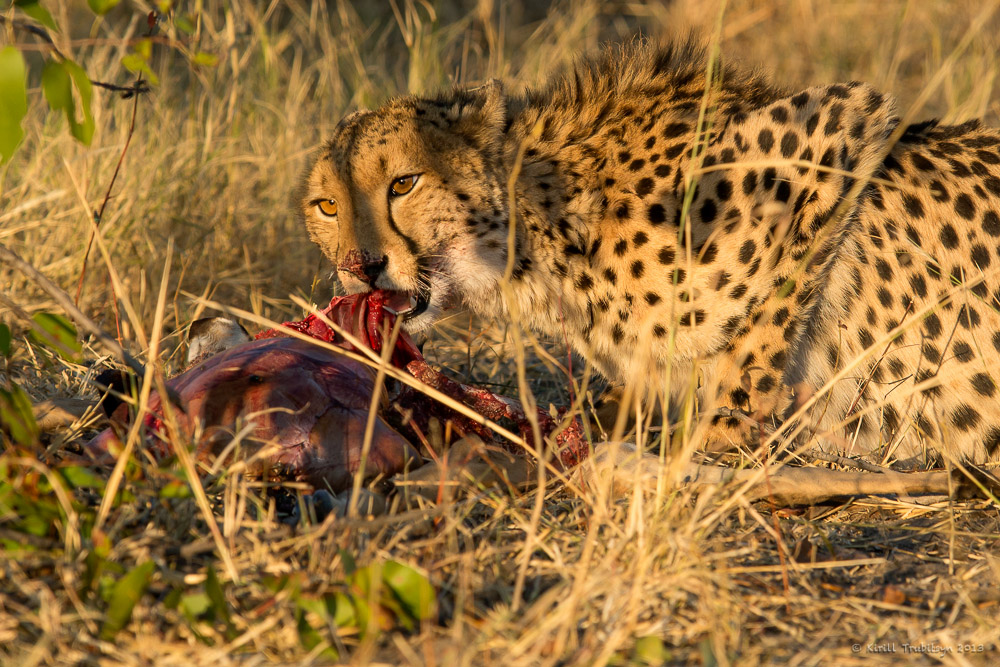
(314, 401)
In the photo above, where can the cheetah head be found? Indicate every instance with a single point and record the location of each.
(410, 199)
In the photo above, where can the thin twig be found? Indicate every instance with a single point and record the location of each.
(99, 215)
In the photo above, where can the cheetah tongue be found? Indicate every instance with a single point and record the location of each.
(399, 303)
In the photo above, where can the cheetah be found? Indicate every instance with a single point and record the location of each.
(807, 258)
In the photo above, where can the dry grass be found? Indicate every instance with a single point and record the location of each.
(215, 155)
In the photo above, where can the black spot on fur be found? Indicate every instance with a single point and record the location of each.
(963, 352)
(968, 317)
(765, 384)
(921, 162)
(789, 144)
(983, 384)
(674, 130)
(765, 140)
(723, 190)
(964, 206)
(697, 317)
(784, 192)
(949, 238)
(991, 223)
(708, 253)
(644, 186)
(656, 214)
(708, 211)
(965, 417)
(980, 256)
(913, 206)
(918, 285)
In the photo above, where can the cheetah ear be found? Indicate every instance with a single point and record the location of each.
(481, 115)
(352, 117)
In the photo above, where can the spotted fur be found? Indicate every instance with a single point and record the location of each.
(767, 244)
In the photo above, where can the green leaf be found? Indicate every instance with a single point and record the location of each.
(311, 638)
(58, 88)
(93, 569)
(56, 332)
(204, 59)
(344, 613)
(102, 7)
(144, 49)
(133, 62)
(219, 607)
(175, 489)
(411, 588)
(5, 338)
(194, 605)
(184, 23)
(81, 478)
(348, 560)
(35, 10)
(13, 101)
(83, 131)
(124, 596)
(650, 651)
(16, 416)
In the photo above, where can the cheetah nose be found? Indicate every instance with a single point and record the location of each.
(363, 266)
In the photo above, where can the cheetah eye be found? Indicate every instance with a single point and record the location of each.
(327, 207)
(402, 186)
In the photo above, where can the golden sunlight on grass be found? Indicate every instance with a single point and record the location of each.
(202, 211)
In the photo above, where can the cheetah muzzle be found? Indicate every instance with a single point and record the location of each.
(784, 258)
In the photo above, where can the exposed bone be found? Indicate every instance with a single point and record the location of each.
(58, 413)
(212, 335)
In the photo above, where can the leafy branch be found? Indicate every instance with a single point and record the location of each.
(38, 31)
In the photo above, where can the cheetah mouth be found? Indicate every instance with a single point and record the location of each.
(407, 305)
